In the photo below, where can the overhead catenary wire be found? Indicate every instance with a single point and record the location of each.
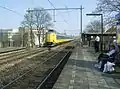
(55, 8)
(6, 8)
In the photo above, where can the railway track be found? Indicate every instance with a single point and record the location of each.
(31, 78)
(9, 54)
(22, 67)
(16, 58)
(50, 79)
(14, 53)
(5, 52)
(18, 55)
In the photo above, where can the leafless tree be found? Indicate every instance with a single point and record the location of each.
(42, 20)
(94, 26)
(38, 19)
(29, 23)
(109, 8)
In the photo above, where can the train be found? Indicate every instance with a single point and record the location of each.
(53, 39)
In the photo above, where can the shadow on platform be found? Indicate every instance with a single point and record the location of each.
(90, 66)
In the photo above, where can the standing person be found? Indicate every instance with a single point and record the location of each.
(97, 39)
(116, 46)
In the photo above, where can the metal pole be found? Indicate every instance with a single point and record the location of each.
(101, 32)
(81, 22)
(23, 29)
(29, 38)
(54, 16)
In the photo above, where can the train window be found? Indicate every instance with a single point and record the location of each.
(50, 30)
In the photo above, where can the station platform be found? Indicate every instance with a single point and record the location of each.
(80, 73)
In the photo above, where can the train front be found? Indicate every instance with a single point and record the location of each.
(53, 38)
(50, 38)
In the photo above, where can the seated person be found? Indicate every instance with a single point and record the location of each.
(104, 57)
(109, 67)
(107, 47)
(108, 54)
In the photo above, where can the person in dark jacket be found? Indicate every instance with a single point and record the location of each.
(105, 57)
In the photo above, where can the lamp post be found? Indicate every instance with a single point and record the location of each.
(101, 15)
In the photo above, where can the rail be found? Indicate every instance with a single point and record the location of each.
(12, 50)
(10, 83)
(49, 81)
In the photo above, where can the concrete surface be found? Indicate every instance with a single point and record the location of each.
(80, 73)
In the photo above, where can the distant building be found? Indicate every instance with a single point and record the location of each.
(4, 37)
(42, 36)
(4, 32)
(35, 32)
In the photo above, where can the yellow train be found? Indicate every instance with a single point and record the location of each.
(54, 39)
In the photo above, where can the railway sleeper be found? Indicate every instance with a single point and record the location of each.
(54, 74)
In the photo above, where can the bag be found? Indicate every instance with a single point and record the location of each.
(108, 67)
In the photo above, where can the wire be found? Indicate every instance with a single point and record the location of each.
(51, 3)
(11, 10)
(55, 8)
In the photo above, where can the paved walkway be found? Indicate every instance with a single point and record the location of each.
(79, 73)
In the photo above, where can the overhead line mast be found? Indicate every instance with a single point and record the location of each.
(58, 9)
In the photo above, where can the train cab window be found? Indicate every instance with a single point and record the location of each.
(50, 30)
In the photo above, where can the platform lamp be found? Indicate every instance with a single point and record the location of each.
(101, 15)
